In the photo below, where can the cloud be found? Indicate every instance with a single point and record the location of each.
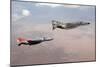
(57, 5)
(72, 6)
(25, 12)
(48, 4)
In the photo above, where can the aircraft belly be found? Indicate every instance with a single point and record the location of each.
(34, 42)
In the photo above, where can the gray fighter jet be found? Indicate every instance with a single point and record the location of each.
(61, 25)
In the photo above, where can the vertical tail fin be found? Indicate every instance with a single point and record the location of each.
(54, 26)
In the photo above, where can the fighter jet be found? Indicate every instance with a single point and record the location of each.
(22, 41)
(61, 25)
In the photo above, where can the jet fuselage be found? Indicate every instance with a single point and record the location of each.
(57, 24)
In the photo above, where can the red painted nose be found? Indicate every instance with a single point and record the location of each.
(19, 40)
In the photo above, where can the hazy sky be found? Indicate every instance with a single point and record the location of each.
(30, 11)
